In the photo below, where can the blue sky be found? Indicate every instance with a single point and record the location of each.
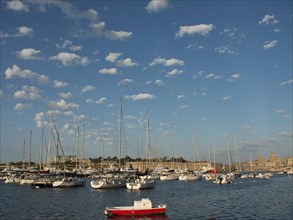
(222, 68)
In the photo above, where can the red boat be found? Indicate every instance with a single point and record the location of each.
(141, 207)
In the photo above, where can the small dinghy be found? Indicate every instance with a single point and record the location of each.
(140, 207)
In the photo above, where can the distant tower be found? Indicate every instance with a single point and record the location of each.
(259, 157)
(273, 156)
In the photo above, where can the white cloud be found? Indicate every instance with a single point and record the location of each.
(225, 49)
(75, 48)
(29, 54)
(226, 98)
(70, 59)
(65, 95)
(201, 29)
(118, 35)
(87, 89)
(234, 77)
(174, 72)
(213, 76)
(180, 96)
(101, 100)
(125, 81)
(28, 92)
(290, 81)
(24, 31)
(126, 63)
(59, 84)
(111, 71)
(159, 82)
(15, 71)
(112, 57)
(270, 44)
(62, 104)
(39, 119)
(20, 106)
(268, 19)
(78, 118)
(140, 96)
(17, 5)
(157, 5)
(165, 62)
(20, 32)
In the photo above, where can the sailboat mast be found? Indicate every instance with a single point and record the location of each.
(23, 156)
(29, 164)
(148, 140)
(120, 132)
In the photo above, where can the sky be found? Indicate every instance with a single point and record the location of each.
(209, 74)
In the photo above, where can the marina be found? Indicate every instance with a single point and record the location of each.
(244, 198)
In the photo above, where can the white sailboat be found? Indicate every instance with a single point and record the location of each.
(140, 184)
(108, 183)
(68, 182)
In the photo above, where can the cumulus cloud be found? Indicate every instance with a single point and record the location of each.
(29, 54)
(270, 44)
(225, 49)
(125, 81)
(268, 19)
(140, 96)
(59, 84)
(65, 95)
(126, 63)
(157, 5)
(28, 93)
(166, 62)
(201, 29)
(69, 44)
(99, 101)
(213, 76)
(174, 72)
(111, 71)
(15, 71)
(87, 89)
(17, 5)
(118, 35)
(70, 59)
(20, 106)
(112, 57)
(234, 77)
(180, 96)
(62, 104)
(20, 32)
(159, 82)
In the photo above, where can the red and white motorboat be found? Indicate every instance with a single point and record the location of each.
(141, 207)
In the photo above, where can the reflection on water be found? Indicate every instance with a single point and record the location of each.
(244, 199)
(149, 217)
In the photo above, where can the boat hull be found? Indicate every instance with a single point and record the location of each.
(135, 212)
(141, 185)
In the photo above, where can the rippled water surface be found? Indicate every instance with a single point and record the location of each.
(243, 199)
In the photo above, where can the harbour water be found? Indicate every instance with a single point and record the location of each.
(244, 199)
